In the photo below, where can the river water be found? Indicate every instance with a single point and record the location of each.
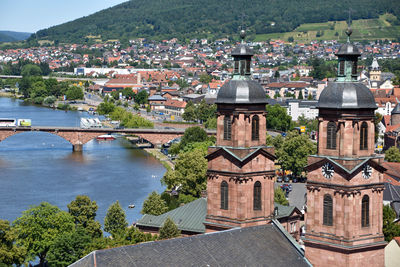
(36, 167)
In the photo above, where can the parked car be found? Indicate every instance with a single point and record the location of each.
(286, 179)
(294, 179)
(279, 179)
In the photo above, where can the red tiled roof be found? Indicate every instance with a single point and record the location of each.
(175, 103)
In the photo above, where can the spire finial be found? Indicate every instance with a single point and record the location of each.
(242, 35)
(349, 31)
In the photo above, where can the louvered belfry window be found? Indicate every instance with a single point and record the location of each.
(341, 67)
(257, 196)
(331, 136)
(328, 211)
(255, 128)
(364, 136)
(224, 195)
(227, 128)
(365, 211)
(354, 69)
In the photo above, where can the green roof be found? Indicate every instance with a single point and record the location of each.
(189, 217)
(284, 211)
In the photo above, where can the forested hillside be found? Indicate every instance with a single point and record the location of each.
(160, 19)
(9, 36)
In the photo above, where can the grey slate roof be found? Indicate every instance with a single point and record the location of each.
(265, 245)
(242, 50)
(346, 95)
(391, 192)
(189, 217)
(348, 49)
(396, 109)
(156, 98)
(241, 92)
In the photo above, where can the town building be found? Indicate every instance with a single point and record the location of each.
(345, 179)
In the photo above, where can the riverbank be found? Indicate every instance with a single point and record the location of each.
(164, 160)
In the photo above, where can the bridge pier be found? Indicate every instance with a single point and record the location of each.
(77, 148)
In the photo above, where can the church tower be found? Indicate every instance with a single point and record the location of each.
(375, 73)
(345, 178)
(240, 188)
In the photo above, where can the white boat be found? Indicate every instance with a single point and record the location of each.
(105, 137)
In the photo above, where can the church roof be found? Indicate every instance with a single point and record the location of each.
(396, 109)
(189, 217)
(251, 246)
(241, 92)
(346, 95)
(348, 49)
(242, 50)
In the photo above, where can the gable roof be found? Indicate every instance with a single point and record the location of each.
(234, 155)
(347, 172)
(189, 217)
(250, 246)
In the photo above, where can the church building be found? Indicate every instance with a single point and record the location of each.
(345, 178)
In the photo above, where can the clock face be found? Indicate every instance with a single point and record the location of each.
(366, 171)
(328, 170)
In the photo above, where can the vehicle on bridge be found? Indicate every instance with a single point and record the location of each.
(7, 122)
(24, 122)
(87, 123)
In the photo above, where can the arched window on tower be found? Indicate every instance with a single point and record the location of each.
(255, 128)
(257, 196)
(227, 128)
(331, 135)
(364, 136)
(341, 67)
(365, 211)
(224, 195)
(328, 211)
(354, 68)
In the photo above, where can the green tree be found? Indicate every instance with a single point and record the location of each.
(105, 108)
(294, 152)
(74, 93)
(190, 112)
(277, 74)
(169, 229)
(211, 123)
(205, 111)
(38, 89)
(10, 253)
(39, 227)
(392, 154)
(300, 95)
(128, 93)
(277, 118)
(205, 78)
(193, 134)
(279, 197)
(189, 174)
(84, 212)
(68, 247)
(115, 221)
(390, 228)
(30, 70)
(141, 97)
(154, 205)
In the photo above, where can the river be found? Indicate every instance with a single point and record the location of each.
(36, 167)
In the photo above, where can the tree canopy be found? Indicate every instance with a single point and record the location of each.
(154, 205)
(392, 154)
(169, 229)
(277, 118)
(38, 228)
(115, 221)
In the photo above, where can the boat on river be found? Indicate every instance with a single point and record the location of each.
(105, 137)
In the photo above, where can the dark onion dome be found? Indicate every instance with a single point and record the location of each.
(241, 92)
(396, 109)
(346, 95)
(242, 50)
(348, 49)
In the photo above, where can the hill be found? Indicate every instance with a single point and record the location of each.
(363, 29)
(10, 36)
(208, 18)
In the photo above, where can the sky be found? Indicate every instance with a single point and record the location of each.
(33, 15)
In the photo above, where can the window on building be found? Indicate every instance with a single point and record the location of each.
(224, 195)
(242, 66)
(331, 136)
(365, 211)
(364, 136)
(341, 67)
(257, 196)
(255, 128)
(328, 216)
(354, 69)
(227, 128)
(248, 62)
(236, 66)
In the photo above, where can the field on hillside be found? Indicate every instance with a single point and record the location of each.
(363, 29)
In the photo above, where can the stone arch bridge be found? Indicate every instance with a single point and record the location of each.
(80, 136)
